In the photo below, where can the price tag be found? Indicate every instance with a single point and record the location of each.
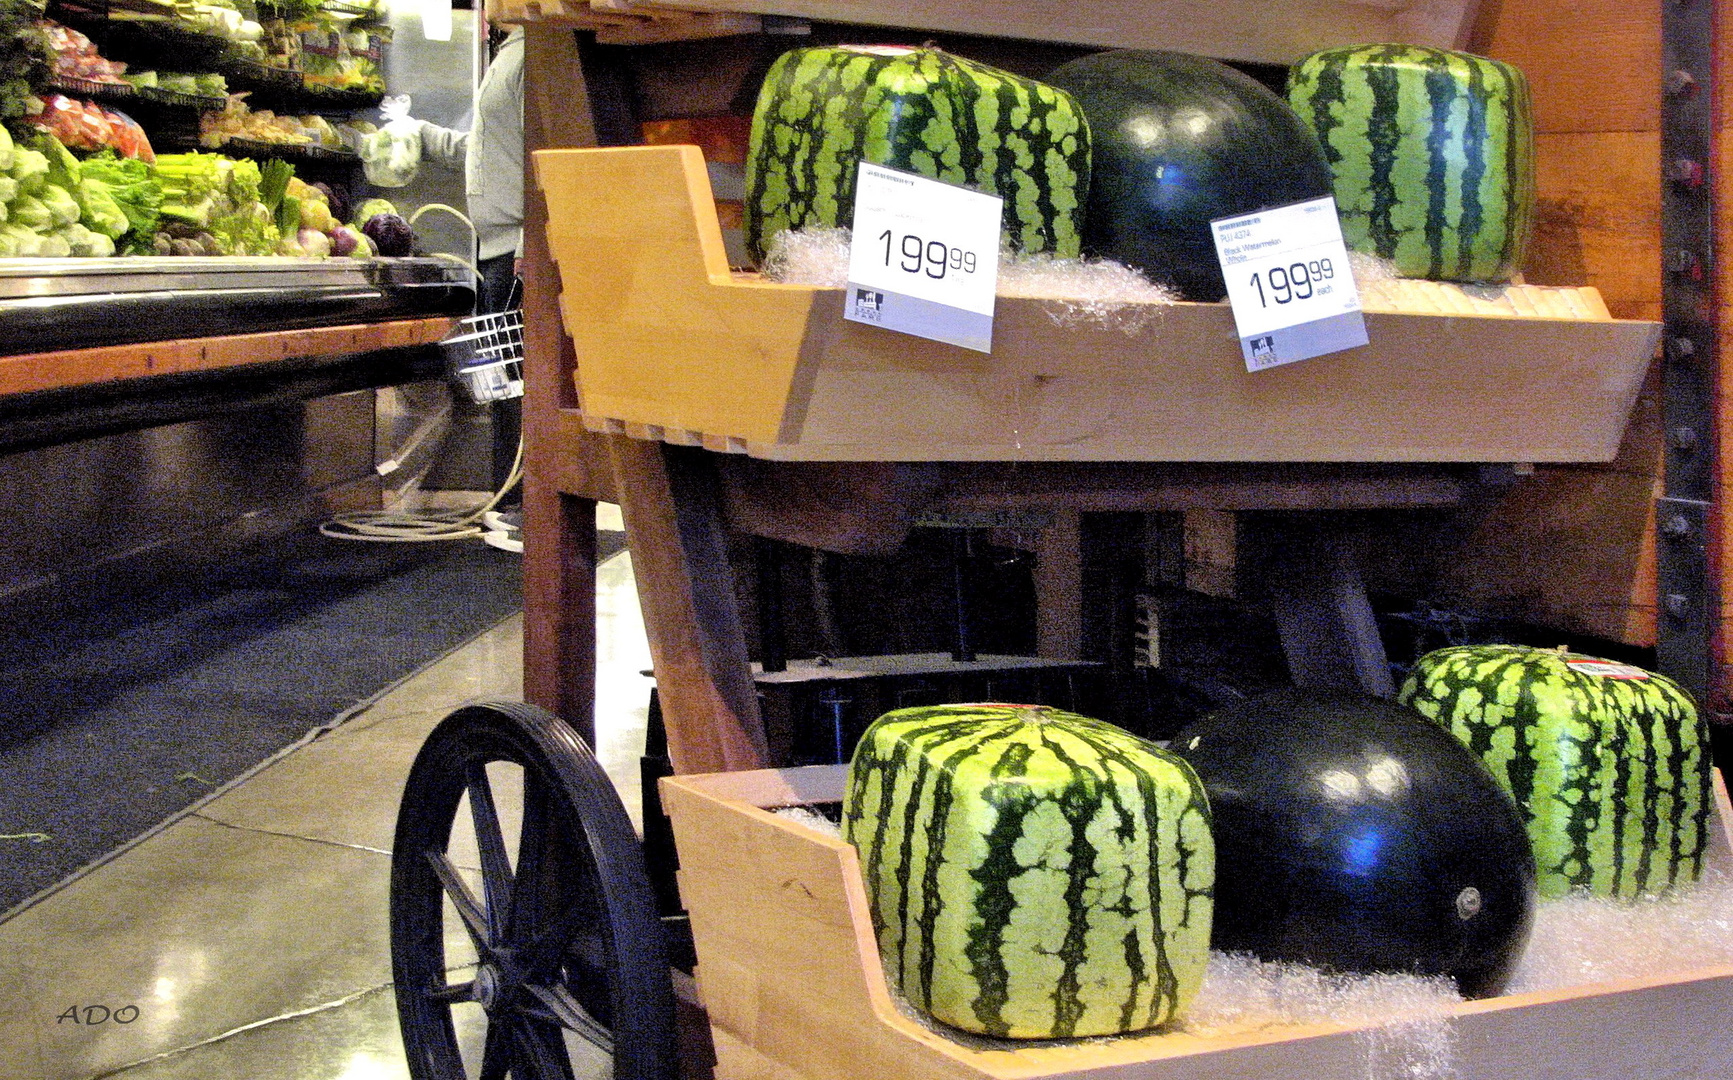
(925, 258)
(1288, 280)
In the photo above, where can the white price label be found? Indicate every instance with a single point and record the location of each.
(1289, 282)
(925, 258)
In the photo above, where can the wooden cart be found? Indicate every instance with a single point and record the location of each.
(569, 938)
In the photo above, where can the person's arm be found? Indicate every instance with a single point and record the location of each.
(443, 146)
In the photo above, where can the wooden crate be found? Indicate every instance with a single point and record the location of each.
(790, 976)
(672, 345)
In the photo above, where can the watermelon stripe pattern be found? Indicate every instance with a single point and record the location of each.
(823, 110)
(1612, 772)
(1432, 153)
(1032, 873)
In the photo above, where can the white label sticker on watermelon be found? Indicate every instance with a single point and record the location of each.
(925, 257)
(1288, 280)
(1606, 669)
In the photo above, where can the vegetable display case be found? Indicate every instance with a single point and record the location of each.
(673, 345)
(55, 304)
(791, 978)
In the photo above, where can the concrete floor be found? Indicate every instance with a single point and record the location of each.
(249, 938)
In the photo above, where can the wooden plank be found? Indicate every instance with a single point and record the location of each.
(790, 975)
(559, 528)
(1232, 29)
(86, 367)
(1598, 217)
(1601, 71)
(697, 643)
(1059, 588)
(669, 338)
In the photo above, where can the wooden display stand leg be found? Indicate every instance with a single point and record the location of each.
(1312, 580)
(668, 497)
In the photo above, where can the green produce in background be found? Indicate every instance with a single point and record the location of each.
(1032, 873)
(1432, 153)
(30, 170)
(131, 185)
(31, 213)
(1608, 763)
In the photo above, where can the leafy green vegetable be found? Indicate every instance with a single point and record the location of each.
(30, 213)
(30, 169)
(62, 207)
(370, 208)
(132, 187)
(27, 243)
(63, 168)
(24, 61)
(274, 177)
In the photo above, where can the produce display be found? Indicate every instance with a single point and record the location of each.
(1180, 140)
(80, 177)
(1353, 835)
(1432, 154)
(1609, 763)
(1032, 873)
(238, 120)
(207, 84)
(83, 125)
(50, 210)
(823, 110)
(76, 56)
(25, 61)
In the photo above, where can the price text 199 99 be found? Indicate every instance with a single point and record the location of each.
(932, 257)
(1301, 281)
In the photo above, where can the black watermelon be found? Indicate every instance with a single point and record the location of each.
(1350, 836)
(1180, 140)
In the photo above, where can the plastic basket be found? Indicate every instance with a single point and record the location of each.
(486, 356)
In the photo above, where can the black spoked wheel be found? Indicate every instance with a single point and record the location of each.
(525, 940)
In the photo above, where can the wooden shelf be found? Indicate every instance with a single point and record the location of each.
(87, 367)
(1230, 29)
(789, 971)
(672, 345)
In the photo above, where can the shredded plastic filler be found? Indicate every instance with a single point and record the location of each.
(1581, 939)
(1405, 1018)
(1075, 292)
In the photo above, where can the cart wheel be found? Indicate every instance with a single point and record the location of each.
(558, 966)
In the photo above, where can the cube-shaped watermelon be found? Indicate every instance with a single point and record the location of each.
(1032, 873)
(1432, 152)
(823, 110)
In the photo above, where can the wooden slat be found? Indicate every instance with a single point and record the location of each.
(86, 367)
(1233, 29)
(1597, 68)
(1599, 220)
(561, 475)
(697, 643)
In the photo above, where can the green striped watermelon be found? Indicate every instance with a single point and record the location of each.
(1608, 763)
(1032, 873)
(1432, 153)
(822, 110)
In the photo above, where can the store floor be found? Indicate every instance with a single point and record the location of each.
(249, 938)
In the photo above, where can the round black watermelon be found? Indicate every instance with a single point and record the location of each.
(1354, 835)
(1179, 140)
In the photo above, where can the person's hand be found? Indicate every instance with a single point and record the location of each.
(394, 108)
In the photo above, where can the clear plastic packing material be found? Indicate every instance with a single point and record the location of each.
(1576, 941)
(1585, 939)
(1080, 292)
